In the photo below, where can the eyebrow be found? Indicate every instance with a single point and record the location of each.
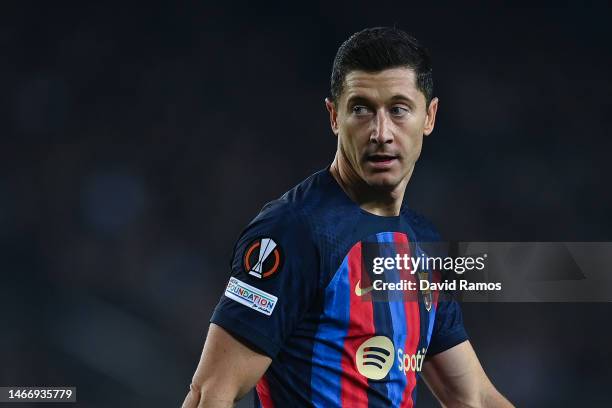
(362, 99)
(357, 99)
(400, 97)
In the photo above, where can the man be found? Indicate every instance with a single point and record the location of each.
(297, 318)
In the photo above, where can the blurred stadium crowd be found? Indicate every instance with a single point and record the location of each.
(139, 141)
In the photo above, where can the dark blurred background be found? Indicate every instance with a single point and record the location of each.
(138, 140)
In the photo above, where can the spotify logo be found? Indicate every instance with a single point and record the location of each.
(375, 357)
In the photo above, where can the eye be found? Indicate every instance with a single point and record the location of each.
(360, 110)
(399, 111)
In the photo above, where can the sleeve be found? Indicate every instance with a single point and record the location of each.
(274, 278)
(448, 328)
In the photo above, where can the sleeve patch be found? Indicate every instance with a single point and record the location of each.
(263, 258)
(250, 296)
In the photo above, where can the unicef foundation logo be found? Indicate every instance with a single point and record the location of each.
(375, 357)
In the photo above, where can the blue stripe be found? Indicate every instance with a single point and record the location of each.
(432, 311)
(397, 379)
(329, 341)
(432, 317)
(378, 391)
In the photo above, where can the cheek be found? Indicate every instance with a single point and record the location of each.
(412, 141)
(350, 148)
(354, 140)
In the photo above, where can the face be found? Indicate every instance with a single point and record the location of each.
(380, 120)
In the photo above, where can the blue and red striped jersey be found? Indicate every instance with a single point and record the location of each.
(301, 292)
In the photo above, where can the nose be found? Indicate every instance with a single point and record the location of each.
(381, 133)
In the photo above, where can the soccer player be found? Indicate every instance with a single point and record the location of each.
(297, 319)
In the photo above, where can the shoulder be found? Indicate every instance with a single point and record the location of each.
(279, 229)
(298, 204)
(289, 216)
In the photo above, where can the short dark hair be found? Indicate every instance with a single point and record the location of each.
(378, 48)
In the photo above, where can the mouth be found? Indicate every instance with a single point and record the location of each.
(381, 160)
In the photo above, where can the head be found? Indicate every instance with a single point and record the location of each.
(381, 106)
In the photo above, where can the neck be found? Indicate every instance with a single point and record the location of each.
(373, 200)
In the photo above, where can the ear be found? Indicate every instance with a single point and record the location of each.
(430, 118)
(333, 115)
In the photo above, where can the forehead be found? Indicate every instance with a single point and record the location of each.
(382, 84)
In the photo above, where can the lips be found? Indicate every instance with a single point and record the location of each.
(381, 161)
(381, 158)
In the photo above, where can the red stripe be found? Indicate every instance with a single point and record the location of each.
(413, 324)
(360, 328)
(263, 392)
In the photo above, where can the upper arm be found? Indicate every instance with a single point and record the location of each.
(274, 278)
(457, 379)
(274, 281)
(227, 370)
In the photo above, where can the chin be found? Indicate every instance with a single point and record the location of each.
(383, 181)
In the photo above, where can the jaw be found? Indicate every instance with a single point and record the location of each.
(387, 181)
(382, 181)
(358, 176)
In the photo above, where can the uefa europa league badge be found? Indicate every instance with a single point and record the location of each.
(427, 296)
